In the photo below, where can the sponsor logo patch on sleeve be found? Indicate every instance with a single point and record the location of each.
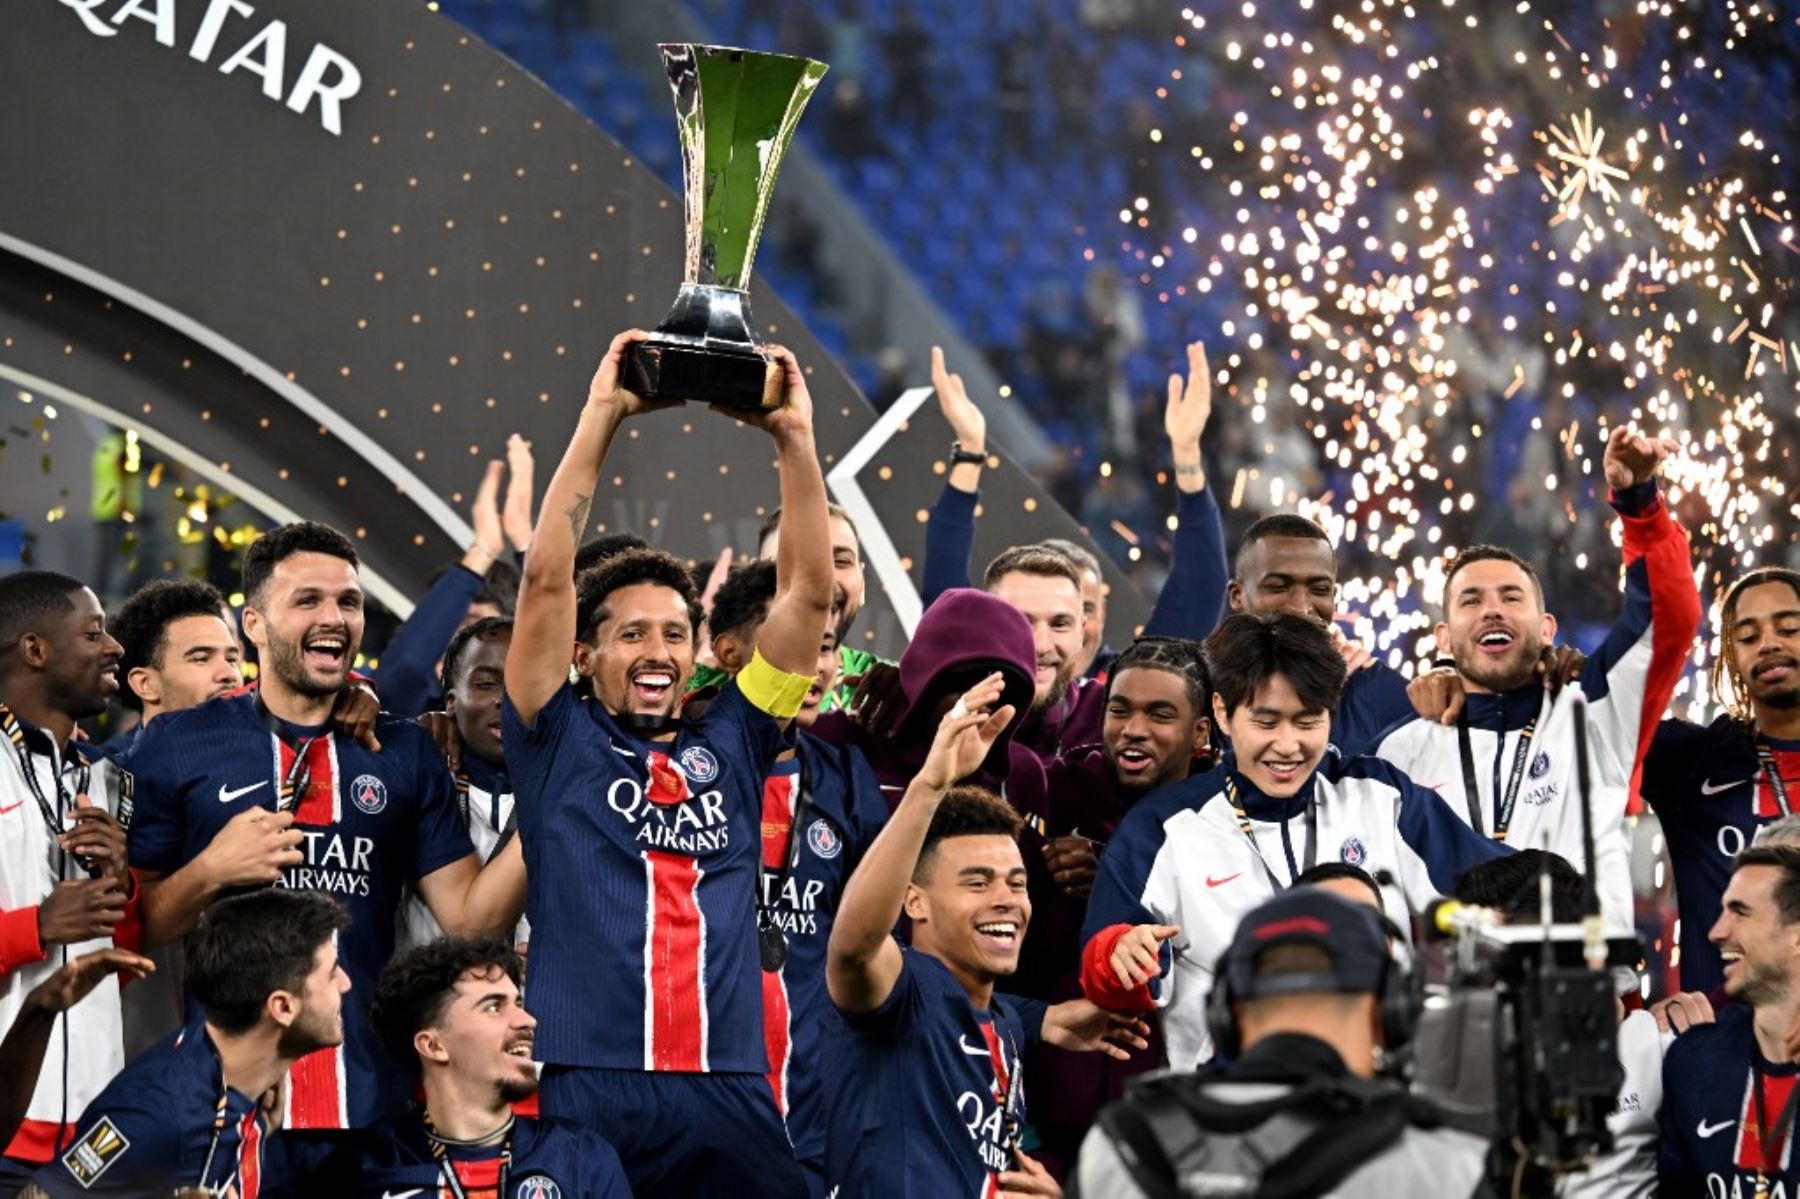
(91, 1156)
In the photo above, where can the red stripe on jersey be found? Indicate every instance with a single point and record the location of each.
(1002, 1084)
(674, 980)
(318, 805)
(1787, 764)
(316, 1091)
(777, 817)
(250, 1155)
(481, 1180)
(1750, 1149)
(778, 1036)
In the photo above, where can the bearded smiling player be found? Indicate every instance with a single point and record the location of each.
(641, 829)
(262, 774)
(1506, 763)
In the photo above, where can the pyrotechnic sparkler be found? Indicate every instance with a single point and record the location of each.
(1373, 218)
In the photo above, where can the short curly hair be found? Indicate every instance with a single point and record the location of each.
(967, 811)
(283, 542)
(416, 986)
(626, 569)
(608, 545)
(743, 599)
(487, 626)
(31, 601)
(141, 625)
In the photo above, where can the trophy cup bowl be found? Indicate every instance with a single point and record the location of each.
(736, 111)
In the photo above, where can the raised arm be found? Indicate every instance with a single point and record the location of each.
(789, 640)
(408, 672)
(1631, 677)
(950, 530)
(862, 961)
(544, 623)
(1193, 596)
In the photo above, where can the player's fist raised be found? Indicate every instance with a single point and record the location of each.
(1632, 458)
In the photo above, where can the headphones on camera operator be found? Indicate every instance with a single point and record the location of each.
(1179, 1138)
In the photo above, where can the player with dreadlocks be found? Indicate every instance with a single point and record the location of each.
(1156, 731)
(1713, 786)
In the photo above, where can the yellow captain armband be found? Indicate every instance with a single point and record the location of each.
(772, 689)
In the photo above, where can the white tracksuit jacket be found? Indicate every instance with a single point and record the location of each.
(1180, 857)
(1627, 685)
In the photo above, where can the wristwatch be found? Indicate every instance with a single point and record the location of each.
(961, 457)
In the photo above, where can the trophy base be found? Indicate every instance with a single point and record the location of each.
(705, 350)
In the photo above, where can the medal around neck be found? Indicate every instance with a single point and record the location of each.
(736, 111)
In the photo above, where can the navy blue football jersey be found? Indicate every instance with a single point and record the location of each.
(1712, 1119)
(541, 1159)
(1709, 789)
(643, 861)
(372, 823)
(840, 812)
(923, 1095)
(167, 1121)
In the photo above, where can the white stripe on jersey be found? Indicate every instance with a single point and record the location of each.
(649, 958)
(700, 969)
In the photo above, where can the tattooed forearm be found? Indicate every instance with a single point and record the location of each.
(578, 516)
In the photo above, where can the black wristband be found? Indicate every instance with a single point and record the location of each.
(962, 457)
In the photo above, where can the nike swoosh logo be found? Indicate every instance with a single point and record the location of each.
(1706, 1130)
(1708, 788)
(1220, 882)
(4, 811)
(227, 796)
(972, 1050)
(402, 1194)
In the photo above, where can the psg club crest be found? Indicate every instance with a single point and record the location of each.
(538, 1187)
(1354, 852)
(824, 839)
(699, 765)
(1540, 766)
(368, 793)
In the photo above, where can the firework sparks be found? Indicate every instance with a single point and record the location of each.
(1405, 289)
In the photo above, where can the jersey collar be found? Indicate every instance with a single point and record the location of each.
(1504, 711)
(1269, 808)
(488, 776)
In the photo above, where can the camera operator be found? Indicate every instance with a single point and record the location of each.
(1306, 995)
(1509, 888)
(1728, 1087)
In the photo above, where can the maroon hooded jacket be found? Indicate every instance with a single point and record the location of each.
(963, 637)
